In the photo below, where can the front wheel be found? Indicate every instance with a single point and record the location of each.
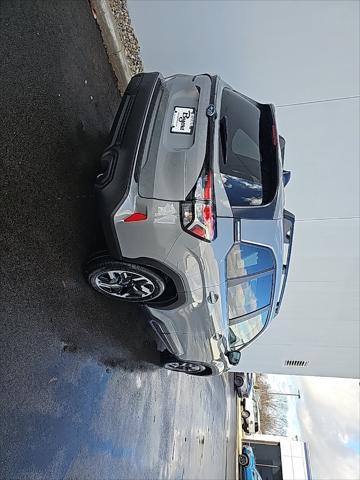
(122, 280)
(244, 460)
(239, 381)
(245, 414)
(191, 368)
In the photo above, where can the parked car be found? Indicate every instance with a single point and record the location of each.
(191, 197)
(248, 464)
(250, 414)
(244, 383)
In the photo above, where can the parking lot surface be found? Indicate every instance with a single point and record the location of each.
(82, 394)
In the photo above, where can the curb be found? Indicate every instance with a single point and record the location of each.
(238, 436)
(103, 14)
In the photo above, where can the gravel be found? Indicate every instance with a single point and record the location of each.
(127, 34)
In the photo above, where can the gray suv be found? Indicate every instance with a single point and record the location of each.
(191, 197)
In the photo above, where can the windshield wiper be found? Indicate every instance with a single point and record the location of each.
(223, 138)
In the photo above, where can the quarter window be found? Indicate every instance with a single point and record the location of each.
(246, 259)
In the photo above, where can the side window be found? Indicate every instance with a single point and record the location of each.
(244, 331)
(246, 296)
(246, 259)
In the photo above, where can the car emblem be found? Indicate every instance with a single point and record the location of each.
(211, 110)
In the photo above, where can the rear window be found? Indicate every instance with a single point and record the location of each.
(248, 164)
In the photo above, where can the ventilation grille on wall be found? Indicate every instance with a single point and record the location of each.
(296, 363)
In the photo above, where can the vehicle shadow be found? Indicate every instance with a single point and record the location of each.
(57, 228)
(117, 334)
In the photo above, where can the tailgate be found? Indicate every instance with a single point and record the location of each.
(177, 144)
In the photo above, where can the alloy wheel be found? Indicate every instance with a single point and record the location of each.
(186, 367)
(125, 284)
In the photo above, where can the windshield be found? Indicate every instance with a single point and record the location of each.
(248, 154)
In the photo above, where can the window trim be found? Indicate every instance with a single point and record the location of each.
(246, 278)
(249, 316)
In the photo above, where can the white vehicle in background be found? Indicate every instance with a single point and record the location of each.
(250, 414)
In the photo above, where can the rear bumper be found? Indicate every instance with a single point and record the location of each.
(120, 160)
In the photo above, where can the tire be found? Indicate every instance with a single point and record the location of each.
(244, 460)
(239, 381)
(245, 414)
(122, 280)
(245, 427)
(190, 368)
(174, 364)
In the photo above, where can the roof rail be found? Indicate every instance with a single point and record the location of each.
(289, 223)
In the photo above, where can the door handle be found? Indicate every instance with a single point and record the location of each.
(213, 297)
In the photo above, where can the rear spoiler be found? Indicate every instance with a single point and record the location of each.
(289, 223)
(282, 143)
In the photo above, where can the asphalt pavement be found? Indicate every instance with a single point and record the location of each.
(82, 395)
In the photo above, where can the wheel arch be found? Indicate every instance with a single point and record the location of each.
(173, 279)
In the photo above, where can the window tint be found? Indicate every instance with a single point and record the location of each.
(247, 259)
(246, 296)
(241, 192)
(246, 330)
(246, 149)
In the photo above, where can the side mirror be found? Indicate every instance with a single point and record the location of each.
(286, 177)
(233, 356)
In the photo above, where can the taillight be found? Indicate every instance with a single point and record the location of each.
(274, 135)
(198, 215)
(136, 217)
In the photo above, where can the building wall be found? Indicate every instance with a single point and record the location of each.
(293, 458)
(319, 319)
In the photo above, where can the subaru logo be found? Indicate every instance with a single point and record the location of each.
(210, 111)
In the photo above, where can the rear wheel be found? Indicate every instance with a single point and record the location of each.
(245, 414)
(122, 280)
(244, 460)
